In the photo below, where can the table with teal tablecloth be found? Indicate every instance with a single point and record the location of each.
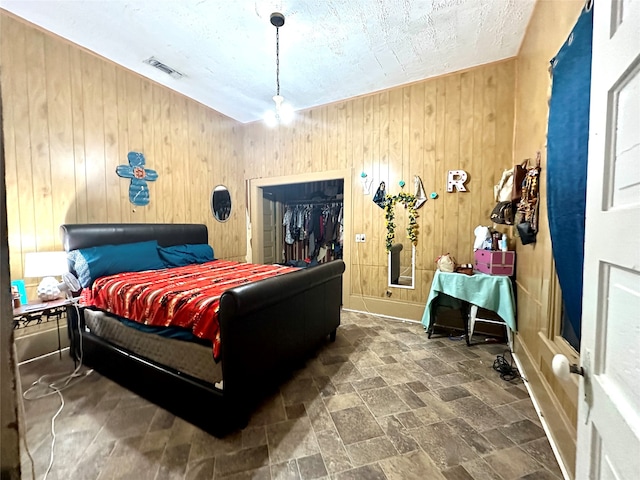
(491, 292)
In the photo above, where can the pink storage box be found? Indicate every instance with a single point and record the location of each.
(495, 263)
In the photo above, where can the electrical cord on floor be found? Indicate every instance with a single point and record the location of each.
(50, 387)
(506, 369)
(455, 337)
(53, 431)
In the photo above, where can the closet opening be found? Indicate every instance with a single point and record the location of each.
(303, 223)
(319, 232)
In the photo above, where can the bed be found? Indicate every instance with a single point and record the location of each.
(266, 329)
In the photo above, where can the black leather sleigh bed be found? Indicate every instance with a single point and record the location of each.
(266, 329)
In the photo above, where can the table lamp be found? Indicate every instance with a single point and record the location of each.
(46, 265)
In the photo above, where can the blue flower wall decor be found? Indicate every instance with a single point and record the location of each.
(138, 189)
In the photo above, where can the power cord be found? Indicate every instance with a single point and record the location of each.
(456, 338)
(506, 369)
(54, 388)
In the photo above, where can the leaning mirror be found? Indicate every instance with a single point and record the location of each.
(221, 203)
(402, 266)
(402, 253)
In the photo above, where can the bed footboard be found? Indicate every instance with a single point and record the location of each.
(270, 326)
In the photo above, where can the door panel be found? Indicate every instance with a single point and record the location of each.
(621, 351)
(608, 412)
(626, 133)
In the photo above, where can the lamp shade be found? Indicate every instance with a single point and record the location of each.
(45, 264)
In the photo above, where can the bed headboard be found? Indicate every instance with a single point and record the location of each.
(84, 235)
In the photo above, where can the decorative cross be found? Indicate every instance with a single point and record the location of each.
(138, 189)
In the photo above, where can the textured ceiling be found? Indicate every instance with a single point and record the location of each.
(330, 50)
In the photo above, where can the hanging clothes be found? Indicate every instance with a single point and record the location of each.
(286, 222)
(300, 222)
(316, 225)
(340, 236)
(330, 226)
(311, 228)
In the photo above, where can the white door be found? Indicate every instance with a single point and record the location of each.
(269, 243)
(609, 403)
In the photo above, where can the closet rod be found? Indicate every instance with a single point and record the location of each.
(314, 202)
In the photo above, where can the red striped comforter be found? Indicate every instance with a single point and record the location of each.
(183, 297)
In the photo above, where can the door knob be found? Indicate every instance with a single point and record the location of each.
(563, 369)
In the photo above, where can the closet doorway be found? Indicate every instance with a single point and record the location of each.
(302, 223)
(322, 193)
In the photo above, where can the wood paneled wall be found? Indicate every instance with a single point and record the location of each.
(459, 121)
(537, 290)
(71, 117)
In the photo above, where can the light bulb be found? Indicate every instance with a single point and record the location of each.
(283, 112)
(270, 118)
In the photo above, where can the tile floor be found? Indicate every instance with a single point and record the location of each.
(382, 402)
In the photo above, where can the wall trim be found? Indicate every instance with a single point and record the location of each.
(40, 342)
(563, 441)
(403, 320)
(387, 308)
(403, 85)
(520, 286)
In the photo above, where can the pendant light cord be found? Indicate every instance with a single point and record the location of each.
(273, 117)
(277, 61)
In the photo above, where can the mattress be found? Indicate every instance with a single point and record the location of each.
(187, 357)
(186, 297)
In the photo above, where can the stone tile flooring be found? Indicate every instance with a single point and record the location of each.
(382, 402)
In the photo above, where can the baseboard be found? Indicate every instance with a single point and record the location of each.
(398, 319)
(38, 340)
(387, 307)
(562, 441)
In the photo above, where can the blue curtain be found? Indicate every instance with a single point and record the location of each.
(567, 149)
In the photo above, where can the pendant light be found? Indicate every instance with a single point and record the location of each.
(282, 113)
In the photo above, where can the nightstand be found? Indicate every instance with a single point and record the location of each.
(41, 312)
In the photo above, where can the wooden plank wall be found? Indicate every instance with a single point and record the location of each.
(537, 291)
(72, 117)
(459, 121)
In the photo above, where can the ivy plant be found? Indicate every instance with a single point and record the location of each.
(390, 202)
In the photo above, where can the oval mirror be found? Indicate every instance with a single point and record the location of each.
(221, 203)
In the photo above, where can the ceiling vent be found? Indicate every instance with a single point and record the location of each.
(154, 62)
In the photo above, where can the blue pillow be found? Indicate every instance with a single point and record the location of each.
(95, 262)
(188, 254)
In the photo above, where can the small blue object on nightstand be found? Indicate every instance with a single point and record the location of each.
(19, 284)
